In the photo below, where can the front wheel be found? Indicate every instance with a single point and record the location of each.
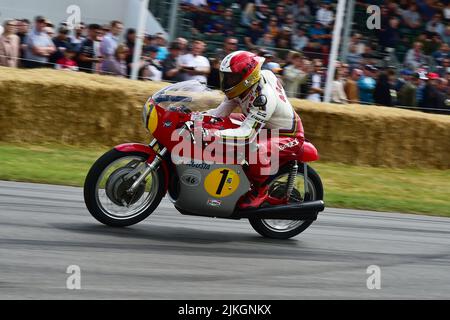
(107, 184)
(286, 229)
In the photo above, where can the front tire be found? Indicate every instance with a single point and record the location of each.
(105, 185)
(290, 228)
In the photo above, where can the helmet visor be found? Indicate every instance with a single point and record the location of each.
(229, 80)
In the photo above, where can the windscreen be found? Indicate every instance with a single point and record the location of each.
(192, 94)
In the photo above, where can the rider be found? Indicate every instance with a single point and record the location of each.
(264, 104)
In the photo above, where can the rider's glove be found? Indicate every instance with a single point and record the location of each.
(207, 135)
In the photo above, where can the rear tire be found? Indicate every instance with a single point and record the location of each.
(262, 227)
(91, 189)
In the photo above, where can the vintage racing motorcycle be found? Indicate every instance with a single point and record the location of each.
(127, 184)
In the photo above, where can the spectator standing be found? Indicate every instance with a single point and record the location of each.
(415, 57)
(351, 86)
(317, 80)
(382, 91)
(109, 45)
(337, 89)
(441, 54)
(225, 25)
(87, 56)
(324, 15)
(153, 70)
(356, 40)
(170, 68)
(270, 62)
(9, 45)
(266, 41)
(61, 42)
(299, 40)
(353, 57)
(302, 12)
(430, 93)
(444, 68)
(421, 80)
(447, 12)
(411, 16)
(294, 76)
(305, 86)
(446, 35)
(366, 85)
(194, 65)
(273, 28)
(290, 22)
(442, 88)
(407, 95)
(130, 40)
(67, 62)
(280, 13)
(230, 45)
(317, 33)
(248, 15)
(262, 13)
(436, 25)
(78, 36)
(39, 45)
(183, 43)
(390, 36)
(23, 30)
(117, 65)
(160, 41)
(252, 35)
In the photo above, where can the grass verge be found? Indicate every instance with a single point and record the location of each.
(382, 189)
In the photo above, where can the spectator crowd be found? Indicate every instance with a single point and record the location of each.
(405, 63)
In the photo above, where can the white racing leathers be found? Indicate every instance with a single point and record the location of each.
(265, 106)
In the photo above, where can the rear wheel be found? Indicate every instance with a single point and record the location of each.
(285, 229)
(107, 184)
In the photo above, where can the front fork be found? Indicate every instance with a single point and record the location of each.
(148, 168)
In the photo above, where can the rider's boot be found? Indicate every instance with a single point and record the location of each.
(254, 198)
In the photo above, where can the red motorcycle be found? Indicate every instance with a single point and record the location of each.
(127, 184)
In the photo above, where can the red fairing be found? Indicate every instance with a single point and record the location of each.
(309, 153)
(142, 148)
(136, 147)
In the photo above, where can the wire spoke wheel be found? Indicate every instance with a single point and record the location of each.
(112, 189)
(107, 189)
(285, 229)
(277, 189)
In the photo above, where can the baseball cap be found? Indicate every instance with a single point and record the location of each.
(420, 75)
(40, 19)
(406, 72)
(152, 49)
(174, 46)
(63, 30)
(370, 68)
(433, 76)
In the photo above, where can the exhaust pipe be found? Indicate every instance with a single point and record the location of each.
(297, 211)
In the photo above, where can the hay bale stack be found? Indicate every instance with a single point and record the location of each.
(377, 136)
(72, 108)
(46, 106)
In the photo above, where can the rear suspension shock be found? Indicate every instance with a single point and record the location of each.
(291, 180)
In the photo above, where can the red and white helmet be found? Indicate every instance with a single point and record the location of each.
(239, 71)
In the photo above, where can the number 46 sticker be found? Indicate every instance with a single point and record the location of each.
(222, 183)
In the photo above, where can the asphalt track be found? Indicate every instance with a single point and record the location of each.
(44, 229)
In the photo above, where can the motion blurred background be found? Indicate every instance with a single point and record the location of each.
(405, 62)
